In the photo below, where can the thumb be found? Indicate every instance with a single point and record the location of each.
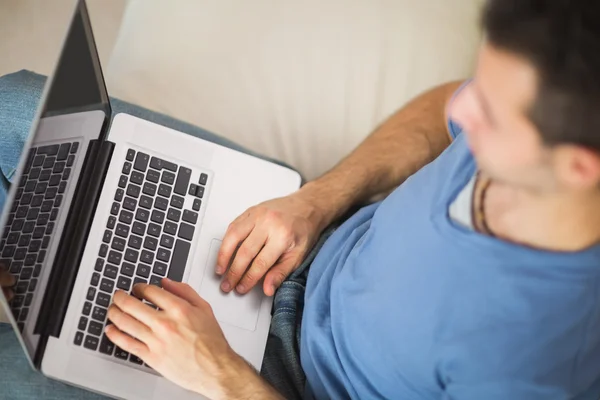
(276, 276)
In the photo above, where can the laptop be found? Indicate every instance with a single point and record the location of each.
(101, 202)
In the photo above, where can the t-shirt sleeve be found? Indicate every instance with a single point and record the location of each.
(454, 129)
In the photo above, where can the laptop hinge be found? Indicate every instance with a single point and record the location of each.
(74, 238)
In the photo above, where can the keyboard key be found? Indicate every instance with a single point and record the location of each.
(47, 206)
(168, 177)
(20, 253)
(149, 189)
(45, 175)
(156, 163)
(114, 210)
(130, 155)
(146, 202)
(190, 216)
(156, 280)
(118, 244)
(67, 174)
(87, 308)
(70, 161)
(21, 287)
(13, 238)
(95, 279)
(29, 227)
(127, 269)
(37, 269)
(197, 204)
(30, 186)
(137, 177)
(203, 179)
(193, 189)
(45, 242)
(111, 271)
(124, 283)
(177, 201)
(26, 273)
(22, 212)
(17, 224)
(41, 256)
(129, 204)
(103, 250)
(54, 180)
(24, 240)
(161, 203)
(49, 162)
(91, 342)
(50, 150)
(173, 215)
(135, 359)
(38, 232)
(158, 216)
(183, 179)
(142, 215)
(143, 270)
(62, 187)
(107, 236)
(103, 299)
(78, 339)
(95, 328)
(160, 268)
(59, 167)
(17, 301)
(154, 230)
(119, 195)
(126, 168)
(139, 228)
(111, 222)
(126, 217)
(35, 246)
(164, 190)
(123, 230)
(167, 241)
(121, 354)
(25, 199)
(91, 293)
(135, 242)
(147, 257)
(163, 254)
(106, 346)
(51, 193)
(24, 313)
(82, 323)
(152, 176)
(150, 243)
(107, 285)
(28, 299)
(141, 161)
(114, 257)
(131, 255)
(133, 190)
(186, 231)
(38, 161)
(99, 265)
(123, 181)
(179, 260)
(30, 259)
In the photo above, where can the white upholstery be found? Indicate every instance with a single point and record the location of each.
(304, 81)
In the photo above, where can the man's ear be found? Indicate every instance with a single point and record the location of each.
(577, 167)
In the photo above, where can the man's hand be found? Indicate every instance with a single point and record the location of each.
(183, 341)
(269, 240)
(6, 282)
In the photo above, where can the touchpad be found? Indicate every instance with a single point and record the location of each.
(231, 308)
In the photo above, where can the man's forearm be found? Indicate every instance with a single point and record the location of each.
(244, 383)
(406, 142)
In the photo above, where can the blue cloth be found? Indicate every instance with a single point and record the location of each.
(19, 97)
(403, 303)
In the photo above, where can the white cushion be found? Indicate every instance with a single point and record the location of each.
(304, 81)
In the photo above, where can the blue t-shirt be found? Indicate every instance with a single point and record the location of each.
(404, 303)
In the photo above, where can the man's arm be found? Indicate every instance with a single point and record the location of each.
(272, 239)
(406, 142)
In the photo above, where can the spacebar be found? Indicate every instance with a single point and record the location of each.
(178, 261)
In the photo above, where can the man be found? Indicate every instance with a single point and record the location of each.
(477, 278)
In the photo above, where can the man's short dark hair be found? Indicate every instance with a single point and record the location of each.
(561, 39)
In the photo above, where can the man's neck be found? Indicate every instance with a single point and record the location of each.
(566, 223)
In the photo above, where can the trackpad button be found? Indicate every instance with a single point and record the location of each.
(231, 308)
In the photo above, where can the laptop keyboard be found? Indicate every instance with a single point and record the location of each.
(147, 237)
(32, 219)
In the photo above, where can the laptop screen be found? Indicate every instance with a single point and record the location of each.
(73, 110)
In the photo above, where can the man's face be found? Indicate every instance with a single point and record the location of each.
(492, 110)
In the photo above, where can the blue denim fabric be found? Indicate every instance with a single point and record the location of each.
(19, 97)
(281, 364)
